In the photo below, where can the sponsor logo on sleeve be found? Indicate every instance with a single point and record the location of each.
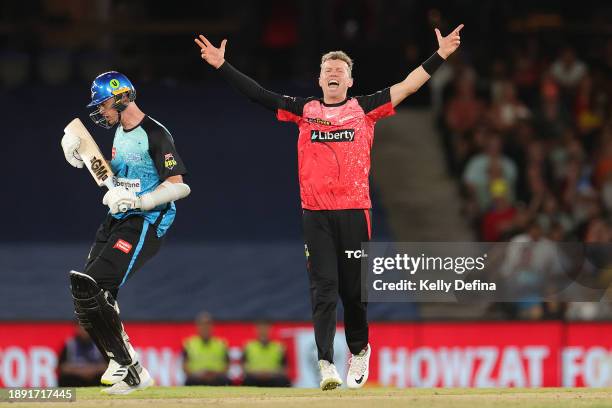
(341, 135)
(169, 161)
(123, 246)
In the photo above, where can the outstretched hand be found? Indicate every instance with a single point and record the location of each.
(447, 45)
(211, 54)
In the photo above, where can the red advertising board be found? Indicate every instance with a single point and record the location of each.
(482, 354)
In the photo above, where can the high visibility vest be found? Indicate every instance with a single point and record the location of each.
(263, 358)
(206, 355)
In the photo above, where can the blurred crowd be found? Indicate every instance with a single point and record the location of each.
(206, 359)
(529, 140)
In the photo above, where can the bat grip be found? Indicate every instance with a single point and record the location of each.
(109, 183)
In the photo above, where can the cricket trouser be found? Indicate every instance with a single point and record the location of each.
(121, 247)
(328, 235)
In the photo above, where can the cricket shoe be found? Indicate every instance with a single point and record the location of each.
(330, 379)
(359, 368)
(115, 372)
(138, 378)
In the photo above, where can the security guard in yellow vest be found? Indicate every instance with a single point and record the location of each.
(205, 358)
(264, 361)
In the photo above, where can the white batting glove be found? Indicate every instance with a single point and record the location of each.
(70, 144)
(120, 199)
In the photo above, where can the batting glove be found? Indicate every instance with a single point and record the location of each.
(120, 199)
(70, 144)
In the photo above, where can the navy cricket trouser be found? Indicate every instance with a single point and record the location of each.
(328, 235)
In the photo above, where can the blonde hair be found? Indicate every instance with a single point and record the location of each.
(338, 55)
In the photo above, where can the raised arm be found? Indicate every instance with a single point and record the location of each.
(446, 46)
(245, 85)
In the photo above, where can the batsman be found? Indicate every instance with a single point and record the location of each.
(336, 133)
(148, 179)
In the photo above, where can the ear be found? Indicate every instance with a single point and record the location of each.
(349, 82)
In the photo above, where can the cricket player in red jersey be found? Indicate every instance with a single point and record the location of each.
(336, 133)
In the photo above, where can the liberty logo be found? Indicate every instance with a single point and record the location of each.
(341, 135)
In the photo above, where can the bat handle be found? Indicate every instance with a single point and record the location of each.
(109, 183)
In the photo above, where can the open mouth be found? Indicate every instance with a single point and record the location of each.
(333, 84)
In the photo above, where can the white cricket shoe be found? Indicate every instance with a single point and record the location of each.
(330, 379)
(123, 388)
(115, 372)
(359, 369)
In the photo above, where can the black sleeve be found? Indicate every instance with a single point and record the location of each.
(163, 152)
(375, 100)
(257, 93)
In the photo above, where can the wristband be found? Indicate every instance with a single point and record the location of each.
(433, 63)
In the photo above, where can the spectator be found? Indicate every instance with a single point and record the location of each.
(464, 109)
(527, 72)
(508, 109)
(499, 219)
(265, 361)
(568, 70)
(530, 265)
(589, 112)
(205, 358)
(80, 363)
(486, 166)
(552, 117)
(555, 222)
(499, 79)
(603, 166)
(562, 152)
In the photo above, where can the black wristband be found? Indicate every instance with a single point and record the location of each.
(432, 63)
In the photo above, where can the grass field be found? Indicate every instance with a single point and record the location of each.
(369, 397)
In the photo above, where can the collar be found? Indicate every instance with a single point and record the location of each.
(138, 125)
(332, 105)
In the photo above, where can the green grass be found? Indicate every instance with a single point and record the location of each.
(229, 397)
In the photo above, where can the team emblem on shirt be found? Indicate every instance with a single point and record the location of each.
(169, 161)
(133, 157)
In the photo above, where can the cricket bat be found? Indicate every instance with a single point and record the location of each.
(92, 157)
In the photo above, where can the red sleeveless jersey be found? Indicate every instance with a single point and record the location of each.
(334, 147)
